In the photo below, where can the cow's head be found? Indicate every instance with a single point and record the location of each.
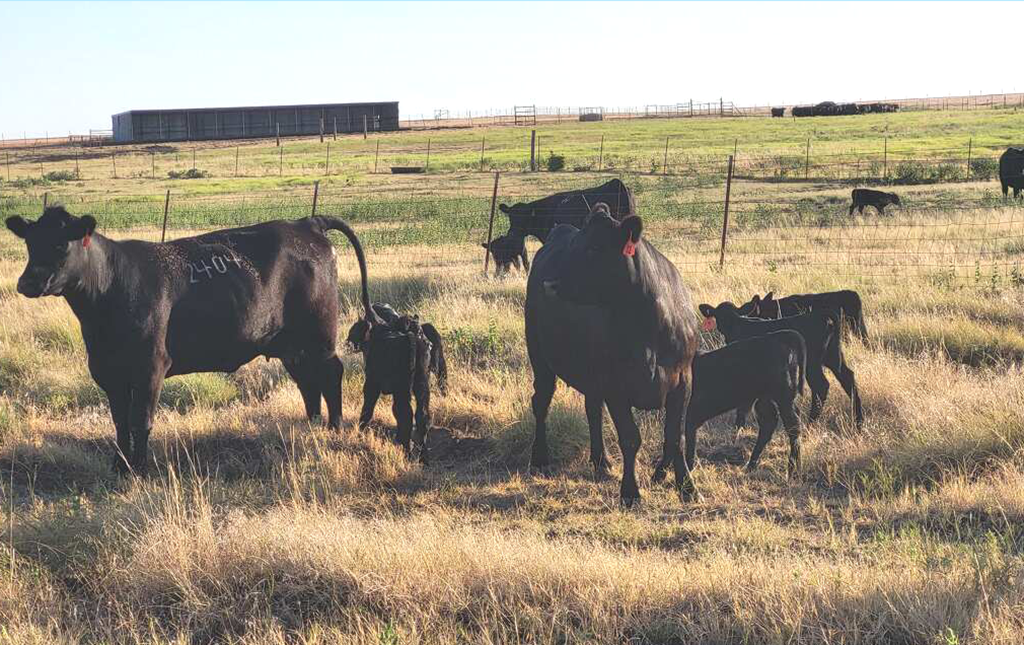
(358, 334)
(724, 315)
(58, 247)
(600, 265)
(506, 251)
(895, 199)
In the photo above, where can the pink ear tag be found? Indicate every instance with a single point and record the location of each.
(86, 241)
(629, 248)
(709, 324)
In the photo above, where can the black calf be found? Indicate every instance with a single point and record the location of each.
(846, 302)
(768, 369)
(861, 197)
(508, 250)
(824, 347)
(399, 356)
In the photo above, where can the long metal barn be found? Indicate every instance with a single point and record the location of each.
(137, 126)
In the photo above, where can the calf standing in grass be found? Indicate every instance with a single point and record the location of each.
(399, 355)
(846, 302)
(820, 330)
(209, 303)
(768, 369)
(862, 197)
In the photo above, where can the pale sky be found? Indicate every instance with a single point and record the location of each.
(69, 66)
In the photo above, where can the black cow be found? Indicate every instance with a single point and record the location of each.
(862, 197)
(776, 112)
(609, 315)
(1011, 171)
(802, 110)
(209, 303)
(399, 355)
(507, 250)
(768, 369)
(537, 218)
(820, 330)
(846, 302)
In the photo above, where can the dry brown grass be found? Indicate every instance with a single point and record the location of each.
(258, 528)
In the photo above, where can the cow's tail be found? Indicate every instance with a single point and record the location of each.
(438, 365)
(801, 366)
(336, 224)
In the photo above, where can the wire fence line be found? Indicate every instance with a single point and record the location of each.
(897, 161)
(978, 242)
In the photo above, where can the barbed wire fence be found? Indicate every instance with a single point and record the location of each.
(976, 242)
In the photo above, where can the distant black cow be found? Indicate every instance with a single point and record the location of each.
(209, 303)
(776, 112)
(802, 110)
(846, 302)
(820, 330)
(538, 217)
(862, 197)
(768, 369)
(507, 250)
(1011, 171)
(399, 355)
(609, 315)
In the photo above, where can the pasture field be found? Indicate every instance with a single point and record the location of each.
(933, 146)
(258, 528)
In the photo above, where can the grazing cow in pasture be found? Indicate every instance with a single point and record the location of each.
(1011, 171)
(209, 303)
(538, 217)
(861, 197)
(768, 369)
(399, 355)
(846, 302)
(777, 112)
(820, 330)
(507, 250)
(803, 110)
(609, 315)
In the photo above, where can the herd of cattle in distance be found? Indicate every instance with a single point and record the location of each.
(828, 108)
(605, 312)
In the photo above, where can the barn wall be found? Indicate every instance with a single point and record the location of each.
(236, 123)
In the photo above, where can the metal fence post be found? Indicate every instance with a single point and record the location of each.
(600, 156)
(725, 218)
(316, 193)
(533, 150)
(490, 223)
(167, 206)
(970, 142)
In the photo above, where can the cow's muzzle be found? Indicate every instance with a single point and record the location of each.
(33, 287)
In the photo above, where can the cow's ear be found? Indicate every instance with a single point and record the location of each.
(769, 296)
(707, 311)
(18, 226)
(633, 227)
(746, 309)
(756, 300)
(504, 209)
(82, 227)
(484, 244)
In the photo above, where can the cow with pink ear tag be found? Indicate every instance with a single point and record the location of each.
(609, 315)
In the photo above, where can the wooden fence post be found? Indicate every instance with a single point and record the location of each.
(376, 155)
(278, 134)
(364, 127)
(321, 129)
(46, 200)
(725, 218)
(533, 150)
(316, 193)
(77, 174)
(970, 142)
(167, 206)
(600, 155)
(490, 223)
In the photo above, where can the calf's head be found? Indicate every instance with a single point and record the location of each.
(506, 250)
(58, 248)
(600, 265)
(724, 316)
(895, 199)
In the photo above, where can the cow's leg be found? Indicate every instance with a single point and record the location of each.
(767, 421)
(331, 371)
(792, 423)
(119, 395)
(849, 383)
(306, 380)
(853, 205)
(595, 416)
(421, 388)
(402, 407)
(145, 393)
(670, 455)
(742, 410)
(629, 443)
(880, 208)
(371, 393)
(819, 389)
(543, 390)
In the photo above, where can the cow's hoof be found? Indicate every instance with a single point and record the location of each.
(540, 469)
(659, 475)
(121, 467)
(602, 473)
(630, 502)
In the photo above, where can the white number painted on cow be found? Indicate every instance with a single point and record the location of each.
(219, 262)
